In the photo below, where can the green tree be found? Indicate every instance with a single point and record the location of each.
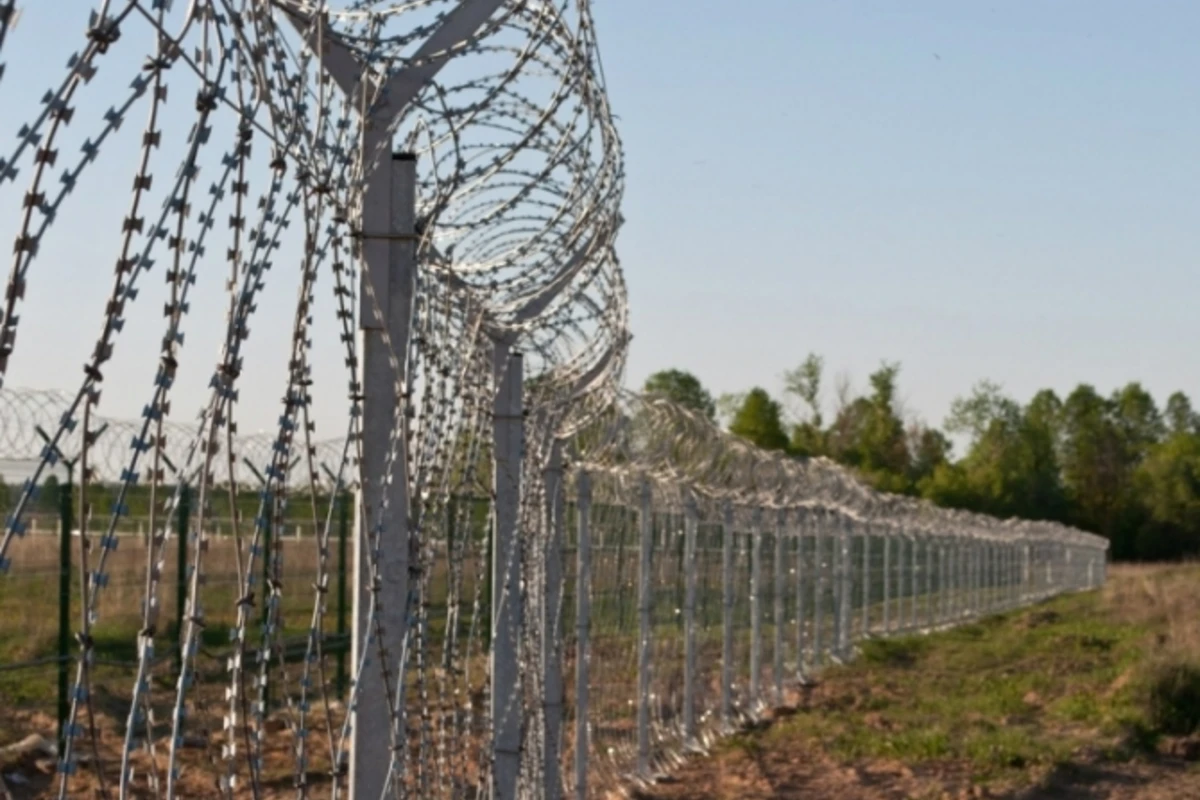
(947, 486)
(1137, 418)
(930, 449)
(1011, 466)
(868, 434)
(727, 406)
(804, 383)
(683, 388)
(848, 431)
(760, 421)
(1041, 431)
(1168, 485)
(1096, 465)
(1180, 417)
(976, 413)
(885, 448)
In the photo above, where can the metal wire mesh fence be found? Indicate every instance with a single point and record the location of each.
(721, 579)
(395, 608)
(704, 613)
(685, 603)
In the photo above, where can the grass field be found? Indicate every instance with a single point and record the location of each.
(1093, 695)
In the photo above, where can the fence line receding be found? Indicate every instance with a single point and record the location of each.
(497, 574)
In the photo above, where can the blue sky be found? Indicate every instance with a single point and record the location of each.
(1002, 190)
(975, 189)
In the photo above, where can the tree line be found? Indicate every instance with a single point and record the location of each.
(1118, 464)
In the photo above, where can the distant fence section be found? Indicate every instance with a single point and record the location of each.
(706, 580)
(677, 584)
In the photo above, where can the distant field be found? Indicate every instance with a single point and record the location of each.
(1088, 696)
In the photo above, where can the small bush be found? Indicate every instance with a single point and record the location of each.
(1172, 697)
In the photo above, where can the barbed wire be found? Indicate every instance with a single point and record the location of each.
(518, 188)
(23, 411)
(304, 125)
(651, 437)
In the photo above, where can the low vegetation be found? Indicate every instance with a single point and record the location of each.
(1095, 687)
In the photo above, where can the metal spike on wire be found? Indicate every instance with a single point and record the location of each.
(436, 183)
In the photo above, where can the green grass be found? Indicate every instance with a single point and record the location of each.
(1010, 697)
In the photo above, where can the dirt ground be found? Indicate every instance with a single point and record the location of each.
(1041, 704)
(805, 772)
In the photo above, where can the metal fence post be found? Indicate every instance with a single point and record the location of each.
(866, 579)
(691, 523)
(727, 619)
(980, 575)
(506, 704)
(64, 605)
(887, 582)
(802, 516)
(980, 548)
(1009, 573)
(552, 629)
(969, 576)
(929, 612)
(960, 583)
(992, 574)
(1014, 573)
(777, 666)
(835, 588)
(915, 581)
(943, 580)
(385, 299)
(1026, 571)
(583, 611)
(181, 580)
(269, 543)
(343, 526)
(1050, 557)
(845, 598)
(954, 557)
(645, 601)
(756, 610)
(975, 573)
(818, 587)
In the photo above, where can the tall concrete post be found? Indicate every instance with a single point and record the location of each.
(818, 587)
(583, 624)
(385, 311)
(802, 517)
(866, 580)
(845, 577)
(756, 535)
(727, 619)
(691, 522)
(645, 613)
(552, 627)
(777, 663)
(385, 305)
(508, 442)
(914, 569)
(887, 582)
